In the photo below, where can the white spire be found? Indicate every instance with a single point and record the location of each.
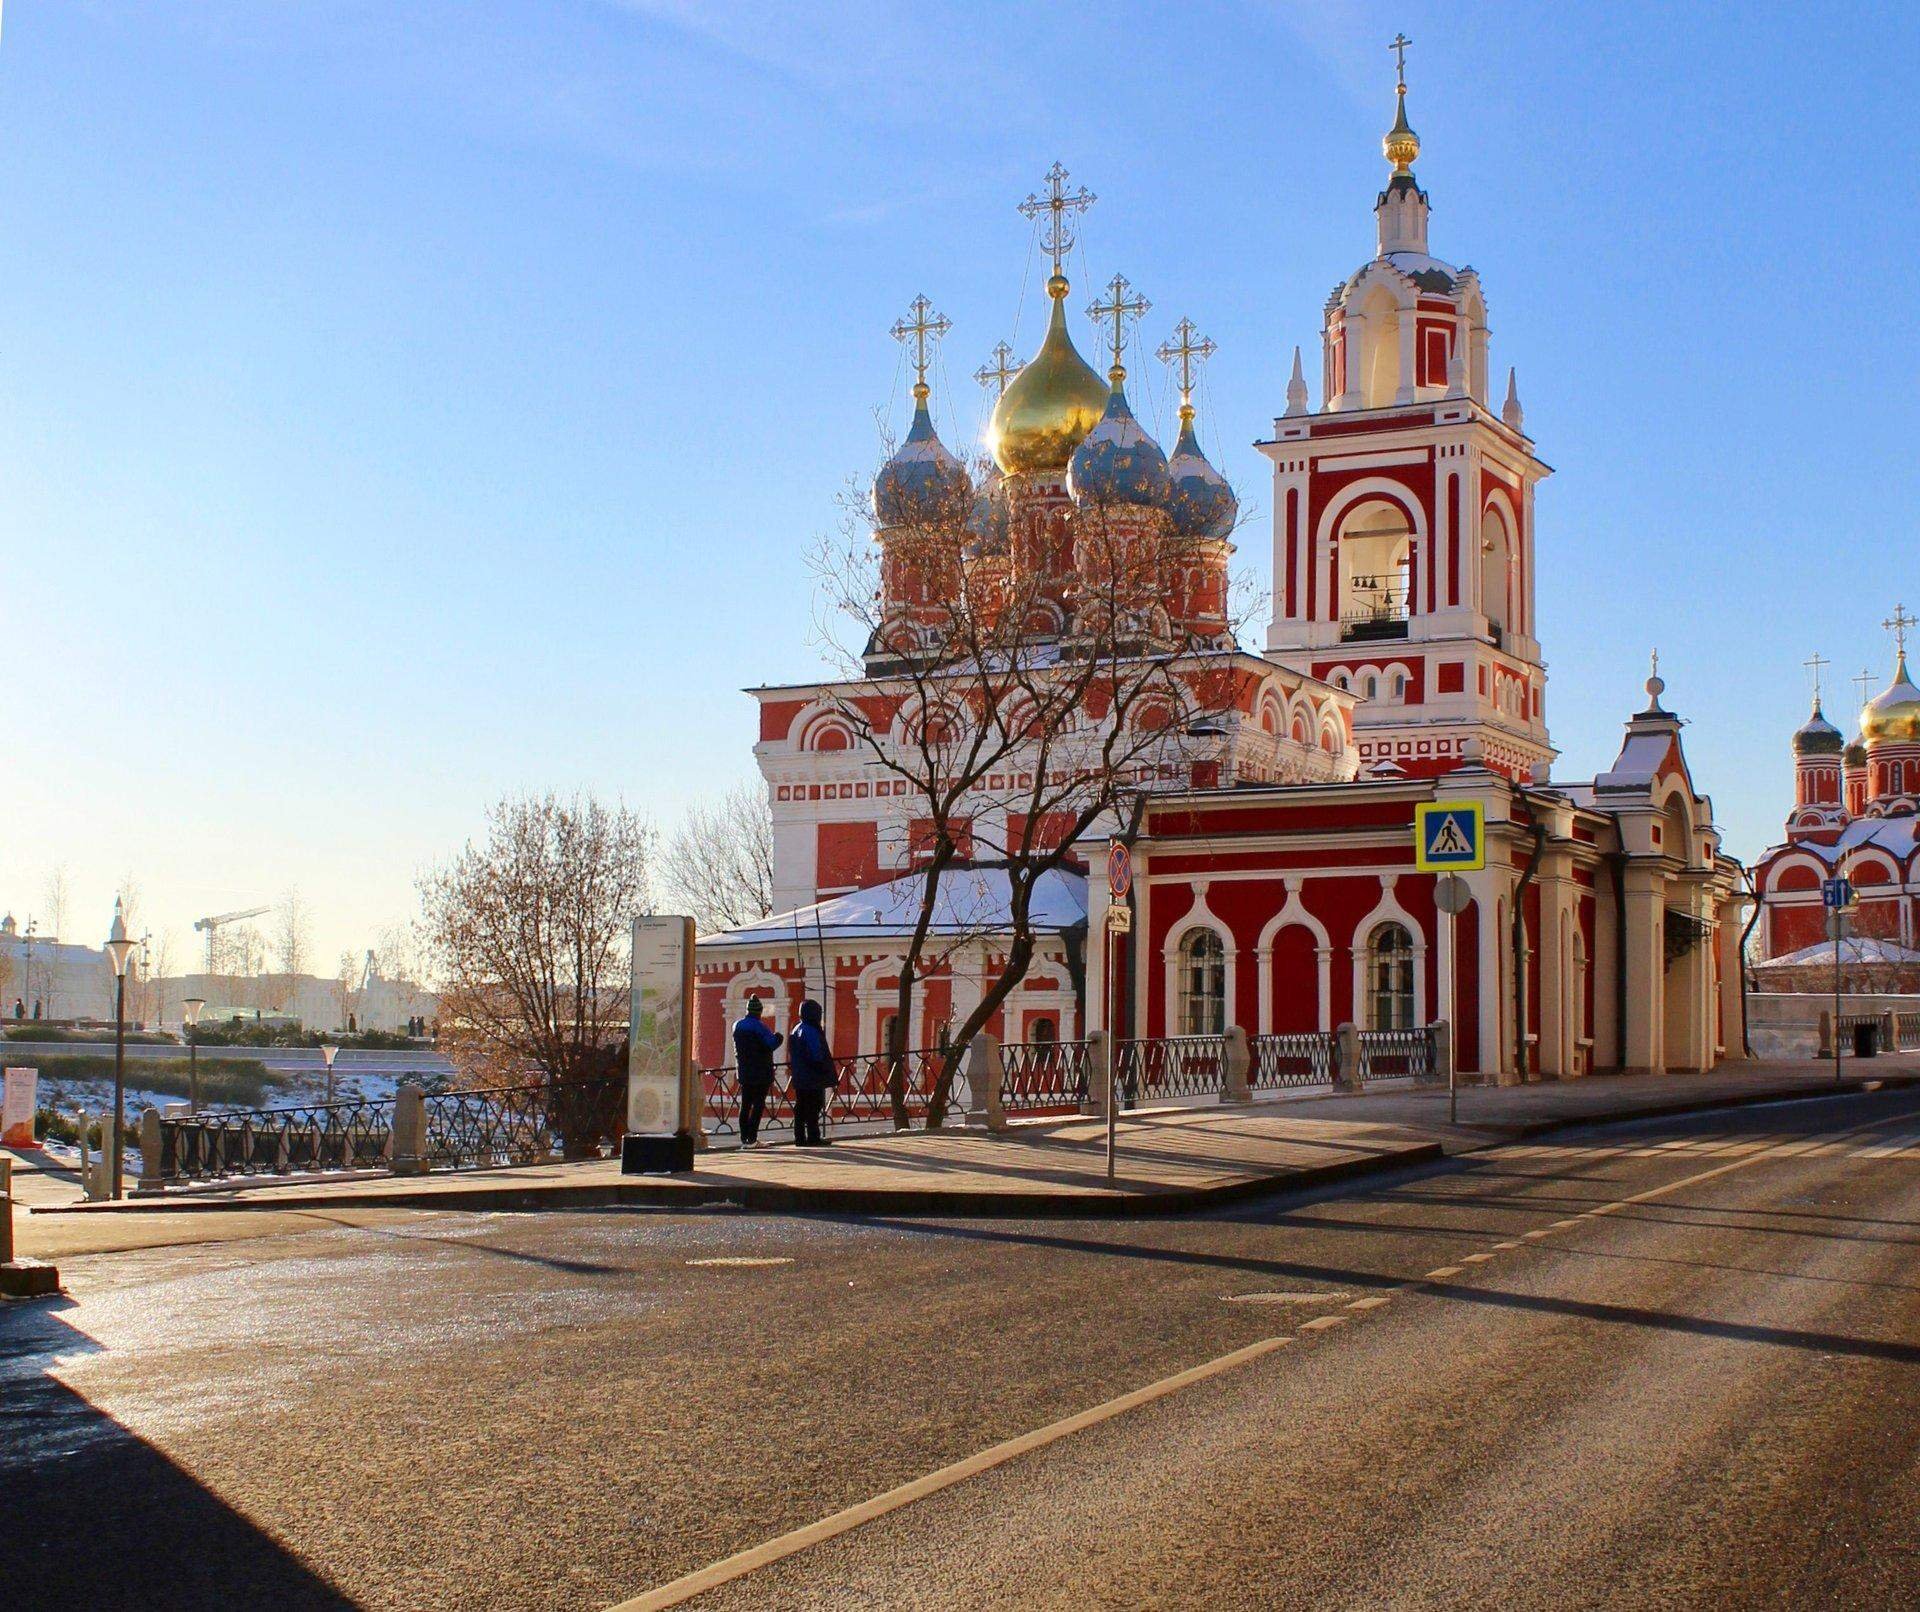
(1510, 411)
(1457, 373)
(1297, 387)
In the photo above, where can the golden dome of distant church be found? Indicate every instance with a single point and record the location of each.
(1051, 404)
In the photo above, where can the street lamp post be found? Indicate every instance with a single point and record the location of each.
(190, 1011)
(120, 954)
(329, 1052)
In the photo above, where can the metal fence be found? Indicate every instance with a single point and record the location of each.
(863, 1096)
(1282, 1061)
(1385, 1054)
(1043, 1077)
(352, 1135)
(470, 1130)
(1173, 1066)
(1906, 1032)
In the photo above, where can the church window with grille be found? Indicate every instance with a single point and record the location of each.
(1203, 983)
(1390, 979)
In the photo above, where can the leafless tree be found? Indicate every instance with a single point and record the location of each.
(347, 977)
(718, 866)
(292, 934)
(396, 954)
(528, 936)
(1025, 691)
(54, 898)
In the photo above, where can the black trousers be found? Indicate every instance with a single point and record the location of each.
(806, 1116)
(753, 1103)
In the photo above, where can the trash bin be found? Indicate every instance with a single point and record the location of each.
(1866, 1039)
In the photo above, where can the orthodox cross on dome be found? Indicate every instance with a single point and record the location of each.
(1056, 234)
(1815, 664)
(1184, 352)
(1003, 368)
(1399, 49)
(1865, 684)
(1119, 310)
(921, 326)
(1897, 624)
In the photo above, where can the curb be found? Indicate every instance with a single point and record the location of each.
(765, 1198)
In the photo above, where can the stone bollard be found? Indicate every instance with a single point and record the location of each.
(985, 1072)
(150, 1180)
(1346, 1058)
(1442, 1051)
(1099, 1075)
(1826, 1033)
(1237, 1066)
(1889, 1041)
(409, 1137)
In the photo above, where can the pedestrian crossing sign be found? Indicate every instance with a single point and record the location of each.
(1450, 836)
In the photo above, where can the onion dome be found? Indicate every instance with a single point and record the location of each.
(1893, 716)
(1051, 404)
(1854, 756)
(1118, 463)
(988, 524)
(1400, 145)
(1202, 504)
(1817, 736)
(921, 482)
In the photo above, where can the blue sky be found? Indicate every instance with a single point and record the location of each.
(404, 404)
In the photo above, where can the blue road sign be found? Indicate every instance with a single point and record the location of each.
(1837, 894)
(1450, 836)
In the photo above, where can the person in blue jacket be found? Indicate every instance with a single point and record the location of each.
(753, 1042)
(811, 1061)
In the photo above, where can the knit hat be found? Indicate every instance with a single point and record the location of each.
(754, 1005)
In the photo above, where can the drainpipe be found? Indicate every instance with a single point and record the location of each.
(1617, 860)
(1746, 935)
(1520, 932)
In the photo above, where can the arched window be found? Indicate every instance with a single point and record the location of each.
(1371, 687)
(1390, 979)
(1399, 687)
(1044, 1030)
(1203, 983)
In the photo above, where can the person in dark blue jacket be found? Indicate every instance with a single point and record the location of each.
(811, 1060)
(753, 1042)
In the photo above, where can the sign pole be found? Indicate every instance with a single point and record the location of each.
(1452, 936)
(1107, 1099)
(1839, 927)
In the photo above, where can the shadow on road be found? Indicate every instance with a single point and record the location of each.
(93, 1516)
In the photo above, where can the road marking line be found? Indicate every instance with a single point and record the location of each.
(1320, 1323)
(1282, 1298)
(1476, 1259)
(743, 1562)
(1373, 1303)
(1443, 1272)
(744, 1259)
(1506, 1245)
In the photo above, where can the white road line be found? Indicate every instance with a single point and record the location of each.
(841, 1522)
(1443, 1273)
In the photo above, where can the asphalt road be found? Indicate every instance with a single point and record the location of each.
(1670, 1364)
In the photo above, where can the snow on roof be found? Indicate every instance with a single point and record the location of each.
(968, 901)
(1894, 834)
(1638, 764)
(1852, 950)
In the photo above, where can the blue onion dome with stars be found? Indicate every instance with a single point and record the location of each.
(1118, 463)
(988, 526)
(1201, 503)
(922, 483)
(1817, 736)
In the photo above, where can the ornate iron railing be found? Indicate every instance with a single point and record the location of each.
(353, 1135)
(1299, 1059)
(863, 1096)
(1850, 1022)
(1043, 1077)
(1387, 1054)
(470, 1130)
(1906, 1031)
(1172, 1066)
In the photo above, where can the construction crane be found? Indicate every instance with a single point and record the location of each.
(218, 921)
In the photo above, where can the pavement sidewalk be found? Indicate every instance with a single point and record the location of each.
(1170, 1160)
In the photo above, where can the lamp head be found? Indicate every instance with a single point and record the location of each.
(192, 1008)
(329, 1053)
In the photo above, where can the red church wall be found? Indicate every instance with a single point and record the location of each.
(848, 855)
(1466, 952)
(1296, 981)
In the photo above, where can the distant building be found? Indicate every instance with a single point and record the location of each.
(49, 978)
(316, 1003)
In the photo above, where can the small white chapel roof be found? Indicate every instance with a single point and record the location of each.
(968, 901)
(1854, 949)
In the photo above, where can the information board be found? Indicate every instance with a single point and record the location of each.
(660, 1027)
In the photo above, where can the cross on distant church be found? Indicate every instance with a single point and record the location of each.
(1187, 349)
(1399, 49)
(1003, 369)
(1816, 663)
(1056, 235)
(921, 325)
(1897, 624)
(1865, 683)
(1118, 310)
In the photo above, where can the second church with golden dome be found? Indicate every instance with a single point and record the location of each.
(1275, 884)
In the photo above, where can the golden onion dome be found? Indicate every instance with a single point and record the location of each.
(1051, 404)
(1400, 144)
(1893, 716)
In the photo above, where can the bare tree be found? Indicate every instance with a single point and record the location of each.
(718, 866)
(54, 897)
(292, 942)
(348, 973)
(528, 936)
(1025, 690)
(396, 954)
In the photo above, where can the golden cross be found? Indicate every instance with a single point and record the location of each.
(1816, 663)
(1056, 235)
(1897, 624)
(1399, 49)
(923, 324)
(1003, 369)
(1189, 349)
(1656, 663)
(1120, 309)
(1865, 681)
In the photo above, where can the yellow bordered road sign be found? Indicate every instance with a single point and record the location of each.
(1450, 836)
